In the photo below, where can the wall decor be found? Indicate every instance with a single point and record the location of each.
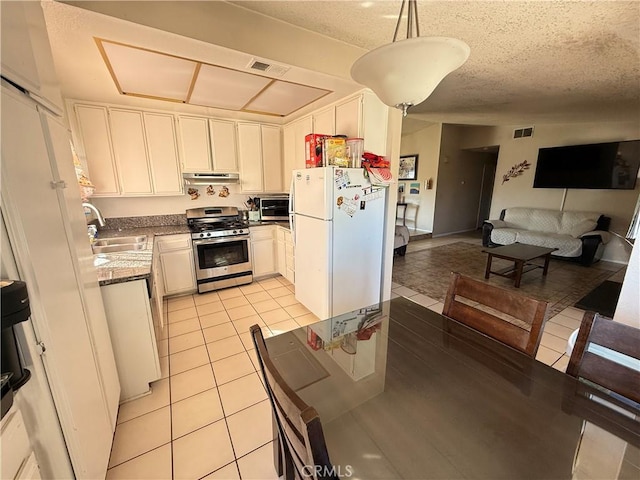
(414, 188)
(193, 193)
(408, 167)
(516, 170)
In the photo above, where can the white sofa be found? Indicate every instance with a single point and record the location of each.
(578, 236)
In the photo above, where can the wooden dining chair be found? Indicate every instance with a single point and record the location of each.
(600, 368)
(303, 452)
(511, 318)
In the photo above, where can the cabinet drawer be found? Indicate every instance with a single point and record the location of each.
(288, 248)
(174, 242)
(261, 233)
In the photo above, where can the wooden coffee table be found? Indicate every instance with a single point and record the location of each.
(521, 254)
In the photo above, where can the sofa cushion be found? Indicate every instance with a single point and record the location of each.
(582, 228)
(504, 236)
(567, 245)
(537, 219)
(570, 220)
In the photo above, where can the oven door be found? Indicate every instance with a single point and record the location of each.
(222, 257)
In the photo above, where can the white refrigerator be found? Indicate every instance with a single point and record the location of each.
(338, 221)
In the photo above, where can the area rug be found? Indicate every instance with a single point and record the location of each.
(602, 299)
(428, 272)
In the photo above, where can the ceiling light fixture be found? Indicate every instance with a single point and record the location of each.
(405, 72)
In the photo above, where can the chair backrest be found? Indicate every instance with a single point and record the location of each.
(511, 318)
(599, 366)
(299, 427)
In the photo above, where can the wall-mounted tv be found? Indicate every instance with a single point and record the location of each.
(611, 165)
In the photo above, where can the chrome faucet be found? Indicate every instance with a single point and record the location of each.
(95, 210)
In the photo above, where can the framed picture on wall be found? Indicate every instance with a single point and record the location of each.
(408, 167)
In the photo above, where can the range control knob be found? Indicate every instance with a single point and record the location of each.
(240, 231)
(235, 231)
(201, 235)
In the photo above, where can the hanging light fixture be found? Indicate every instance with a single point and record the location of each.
(405, 72)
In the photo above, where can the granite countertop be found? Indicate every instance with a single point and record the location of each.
(269, 222)
(129, 265)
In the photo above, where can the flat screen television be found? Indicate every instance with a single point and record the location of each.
(612, 165)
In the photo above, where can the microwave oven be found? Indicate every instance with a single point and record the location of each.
(275, 208)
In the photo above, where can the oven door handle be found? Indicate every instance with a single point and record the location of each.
(210, 241)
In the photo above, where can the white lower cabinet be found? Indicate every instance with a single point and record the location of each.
(263, 250)
(132, 336)
(285, 254)
(176, 259)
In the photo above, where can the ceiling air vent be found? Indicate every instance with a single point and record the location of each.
(256, 65)
(523, 132)
(270, 68)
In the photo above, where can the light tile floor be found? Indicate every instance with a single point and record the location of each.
(208, 417)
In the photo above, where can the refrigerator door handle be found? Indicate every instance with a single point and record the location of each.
(292, 211)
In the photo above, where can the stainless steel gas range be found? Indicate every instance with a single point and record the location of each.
(221, 247)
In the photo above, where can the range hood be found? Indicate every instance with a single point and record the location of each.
(210, 178)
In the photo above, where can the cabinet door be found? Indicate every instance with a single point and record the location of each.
(96, 143)
(324, 122)
(264, 260)
(250, 156)
(272, 158)
(163, 153)
(194, 143)
(294, 147)
(375, 118)
(178, 271)
(223, 144)
(348, 116)
(127, 134)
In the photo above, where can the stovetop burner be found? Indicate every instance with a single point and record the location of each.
(211, 222)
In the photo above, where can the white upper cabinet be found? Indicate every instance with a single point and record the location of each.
(163, 153)
(127, 133)
(93, 124)
(324, 121)
(260, 156)
(250, 156)
(272, 158)
(194, 144)
(129, 152)
(26, 54)
(223, 141)
(294, 146)
(348, 115)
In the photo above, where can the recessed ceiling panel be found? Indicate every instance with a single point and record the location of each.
(225, 88)
(283, 98)
(150, 74)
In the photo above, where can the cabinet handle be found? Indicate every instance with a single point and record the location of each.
(58, 184)
(41, 348)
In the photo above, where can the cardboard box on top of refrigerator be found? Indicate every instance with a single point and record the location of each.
(313, 150)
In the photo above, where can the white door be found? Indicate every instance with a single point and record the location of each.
(313, 192)
(130, 150)
(195, 146)
(178, 271)
(272, 158)
(313, 270)
(223, 145)
(31, 207)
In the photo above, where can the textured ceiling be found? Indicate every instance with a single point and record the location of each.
(531, 62)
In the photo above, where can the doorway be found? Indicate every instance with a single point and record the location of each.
(489, 158)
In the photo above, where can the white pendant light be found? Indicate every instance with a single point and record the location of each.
(405, 72)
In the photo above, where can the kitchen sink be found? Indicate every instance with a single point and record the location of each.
(119, 244)
(103, 242)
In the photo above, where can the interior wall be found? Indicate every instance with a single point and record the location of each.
(628, 308)
(519, 191)
(425, 143)
(459, 185)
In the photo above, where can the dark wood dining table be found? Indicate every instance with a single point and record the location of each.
(406, 393)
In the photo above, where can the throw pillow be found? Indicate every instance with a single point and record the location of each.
(582, 227)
